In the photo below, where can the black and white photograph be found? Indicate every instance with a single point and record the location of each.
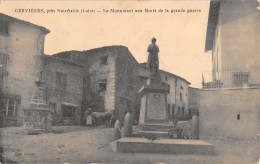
(137, 81)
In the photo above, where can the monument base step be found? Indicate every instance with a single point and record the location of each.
(36, 131)
(158, 134)
(163, 146)
(156, 127)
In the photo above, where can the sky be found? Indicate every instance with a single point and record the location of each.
(180, 35)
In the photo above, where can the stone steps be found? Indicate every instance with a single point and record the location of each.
(158, 134)
(162, 146)
(67, 121)
(156, 127)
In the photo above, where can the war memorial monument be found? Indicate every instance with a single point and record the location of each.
(153, 120)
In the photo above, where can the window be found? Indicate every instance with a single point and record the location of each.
(166, 78)
(61, 81)
(240, 78)
(181, 96)
(4, 27)
(3, 64)
(238, 117)
(53, 107)
(102, 85)
(68, 111)
(10, 106)
(172, 109)
(181, 87)
(169, 108)
(182, 112)
(103, 60)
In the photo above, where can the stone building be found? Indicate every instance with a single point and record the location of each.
(110, 78)
(177, 99)
(20, 44)
(63, 80)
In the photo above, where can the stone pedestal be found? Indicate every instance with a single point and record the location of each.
(154, 103)
(39, 116)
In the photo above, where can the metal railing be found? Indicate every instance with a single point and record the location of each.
(231, 79)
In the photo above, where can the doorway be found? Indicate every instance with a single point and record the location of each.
(68, 111)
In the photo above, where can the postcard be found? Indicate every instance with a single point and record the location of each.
(129, 81)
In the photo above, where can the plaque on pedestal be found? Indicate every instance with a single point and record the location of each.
(153, 104)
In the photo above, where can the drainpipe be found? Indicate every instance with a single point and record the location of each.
(1, 87)
(175, 94)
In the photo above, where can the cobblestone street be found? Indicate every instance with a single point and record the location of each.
(75, 144)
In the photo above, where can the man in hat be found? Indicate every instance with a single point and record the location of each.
(153, 60)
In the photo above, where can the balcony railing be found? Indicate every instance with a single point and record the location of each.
(231, 79)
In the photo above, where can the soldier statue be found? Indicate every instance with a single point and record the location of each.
(153, 60)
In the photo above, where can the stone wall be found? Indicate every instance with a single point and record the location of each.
(21, 45)
(126, 80)
(119, 73)
(230, 113)
(102, 74)
(72, 95)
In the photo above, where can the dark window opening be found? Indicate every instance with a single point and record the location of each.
(10, 107)
(53, 107)
(181, 87)
(3, 64)
(169, 108)
(102, 85)
(238, 117)
(166, 78)
(172, 109)
(4, 27)
(68, 111)
(182, 112)
(103, 60)
(181, 96)
(61, 81)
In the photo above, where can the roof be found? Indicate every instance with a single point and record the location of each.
(9, 18)
(94, 50)
(100, 49)
(212, 24)
(193, 88)
(171, 74)
(66, 54)
(62, 60)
